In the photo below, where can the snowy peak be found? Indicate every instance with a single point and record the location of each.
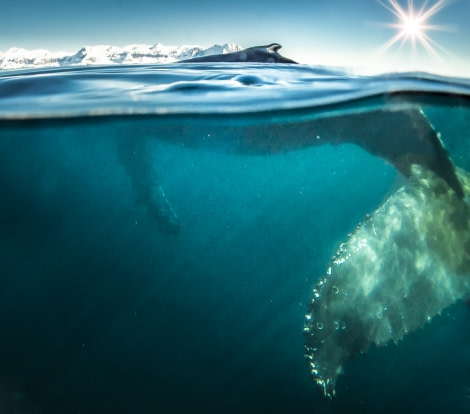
(219, 50)
(17, 58)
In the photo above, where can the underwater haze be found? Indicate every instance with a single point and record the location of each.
(162, 229)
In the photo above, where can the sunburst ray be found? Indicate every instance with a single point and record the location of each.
(413, 26)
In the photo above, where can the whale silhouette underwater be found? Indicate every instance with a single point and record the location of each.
(407, 261)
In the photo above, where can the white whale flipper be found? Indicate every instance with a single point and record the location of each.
(404, 265)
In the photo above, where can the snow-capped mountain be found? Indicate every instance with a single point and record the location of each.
(17, 58)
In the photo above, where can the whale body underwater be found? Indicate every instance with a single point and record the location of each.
(407, 261)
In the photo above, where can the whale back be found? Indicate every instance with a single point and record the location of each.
(257, 54)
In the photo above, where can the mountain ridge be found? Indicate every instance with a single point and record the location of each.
(19, 58)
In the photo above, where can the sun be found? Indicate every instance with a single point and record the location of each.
(413, 26)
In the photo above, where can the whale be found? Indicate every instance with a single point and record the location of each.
(407, 261)
(257, 54)
(90, 210)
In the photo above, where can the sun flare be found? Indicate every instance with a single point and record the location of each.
(413, 26)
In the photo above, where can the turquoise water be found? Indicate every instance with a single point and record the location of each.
(161, 228)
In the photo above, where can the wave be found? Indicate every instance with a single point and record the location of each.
(215, 88)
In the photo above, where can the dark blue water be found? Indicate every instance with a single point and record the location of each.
(143, 273)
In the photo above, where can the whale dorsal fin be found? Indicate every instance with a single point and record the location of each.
(274, 47)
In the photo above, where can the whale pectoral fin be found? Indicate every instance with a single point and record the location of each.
(401, 267)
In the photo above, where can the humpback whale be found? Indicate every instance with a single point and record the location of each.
(407, 261)
(258, 54)
(72, 189)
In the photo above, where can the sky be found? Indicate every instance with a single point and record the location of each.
(348, 33)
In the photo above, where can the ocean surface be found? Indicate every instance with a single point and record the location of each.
(153, 261)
